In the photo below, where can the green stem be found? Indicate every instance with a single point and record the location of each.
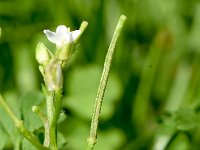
(53, 113)
(20, 126)
(102, 85)
(43, 117)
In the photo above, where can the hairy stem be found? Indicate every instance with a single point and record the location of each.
(102, 85)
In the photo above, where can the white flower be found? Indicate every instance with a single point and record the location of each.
(62, 36)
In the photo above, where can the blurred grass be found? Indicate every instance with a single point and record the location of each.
(155, 78)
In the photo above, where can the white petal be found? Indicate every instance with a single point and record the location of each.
(75, 34)
(63, 35)
(62, 31)
(51, 36)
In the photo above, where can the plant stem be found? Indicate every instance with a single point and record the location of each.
(43, 117)
(53, 89)
(20, 126)
(53, 113)
(91, 141)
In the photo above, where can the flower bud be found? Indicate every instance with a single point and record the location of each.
(53, 76)
(42, 54)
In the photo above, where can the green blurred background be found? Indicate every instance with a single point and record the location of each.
(153, 94)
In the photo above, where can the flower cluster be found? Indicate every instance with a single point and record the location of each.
(51, 64)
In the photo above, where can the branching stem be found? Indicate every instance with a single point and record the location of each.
(20, 126)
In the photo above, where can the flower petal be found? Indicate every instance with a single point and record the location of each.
(51, 36)
(62, 33)
(74, 35)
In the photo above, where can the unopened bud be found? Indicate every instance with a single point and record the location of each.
(35, 109)
(42, 54)
(53, 76)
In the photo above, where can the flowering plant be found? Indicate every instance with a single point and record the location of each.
(51, 66)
